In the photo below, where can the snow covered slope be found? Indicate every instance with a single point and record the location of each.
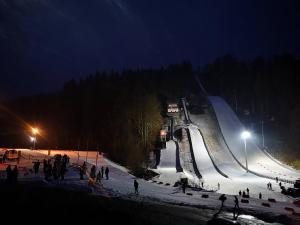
(258, 161)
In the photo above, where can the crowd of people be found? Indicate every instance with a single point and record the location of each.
(55, 168)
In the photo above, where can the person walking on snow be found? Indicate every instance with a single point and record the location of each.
(236, 209)
(106, 173)
(136, 187)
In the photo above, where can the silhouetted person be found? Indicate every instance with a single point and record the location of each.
(136, 187)
(183, 186)
(218, 186)
(98, 177)
(276, 179)
(202, 184)
(45, 164)
(279, 184)
(102, 171)
(55, 172)
(247, 191)
(222, 198)
(93, 172)
(240, 193)
(8, 174)
(15, 174)
(63, 171)
(84, 167)
(36, 167)
(260, 195)
(244, 194)
(106, 172)
(236, 209)
(81, 173)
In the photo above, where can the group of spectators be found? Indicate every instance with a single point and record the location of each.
(93, 172)
(57, 168)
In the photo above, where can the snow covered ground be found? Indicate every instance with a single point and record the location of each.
(120, 184)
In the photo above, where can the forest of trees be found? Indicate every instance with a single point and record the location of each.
(121, 113)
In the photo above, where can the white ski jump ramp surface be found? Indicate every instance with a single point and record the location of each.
(258, 160)
(168, 157)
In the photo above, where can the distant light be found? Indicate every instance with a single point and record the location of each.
(35, 130)
(163, 133)
(32, 139)
(245, 135)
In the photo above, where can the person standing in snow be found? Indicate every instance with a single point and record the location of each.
(15, 174)
(136, 187)
(102, 171)
(247, 191)
(84, 167)
(8, 174)
(260, 195)
(106, 173)
(36, 167)
(81, 173)
(183, 186)
(93, 172)
(63, 171)
(98, 177)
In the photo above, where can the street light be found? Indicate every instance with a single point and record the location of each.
(245, 135)
(35, 131)
(33, 140)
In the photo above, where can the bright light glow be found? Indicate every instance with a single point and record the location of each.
(163, 133)
(245, 134)
(35, 130)
(32, 139)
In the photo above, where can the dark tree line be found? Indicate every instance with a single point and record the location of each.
(118, 113)
(122, 113)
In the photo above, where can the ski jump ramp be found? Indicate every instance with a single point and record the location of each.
(259, 161)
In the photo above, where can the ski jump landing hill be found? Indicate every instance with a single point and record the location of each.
(219, 151)
(259, 161)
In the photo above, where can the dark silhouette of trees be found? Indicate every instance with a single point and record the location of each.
(121, 112)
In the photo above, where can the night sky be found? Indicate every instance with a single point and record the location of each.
(44, 43)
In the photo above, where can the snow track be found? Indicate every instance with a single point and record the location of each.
(259, 162)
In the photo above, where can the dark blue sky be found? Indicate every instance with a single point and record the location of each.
(43, 43)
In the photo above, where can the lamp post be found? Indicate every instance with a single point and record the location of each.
(245, 135)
